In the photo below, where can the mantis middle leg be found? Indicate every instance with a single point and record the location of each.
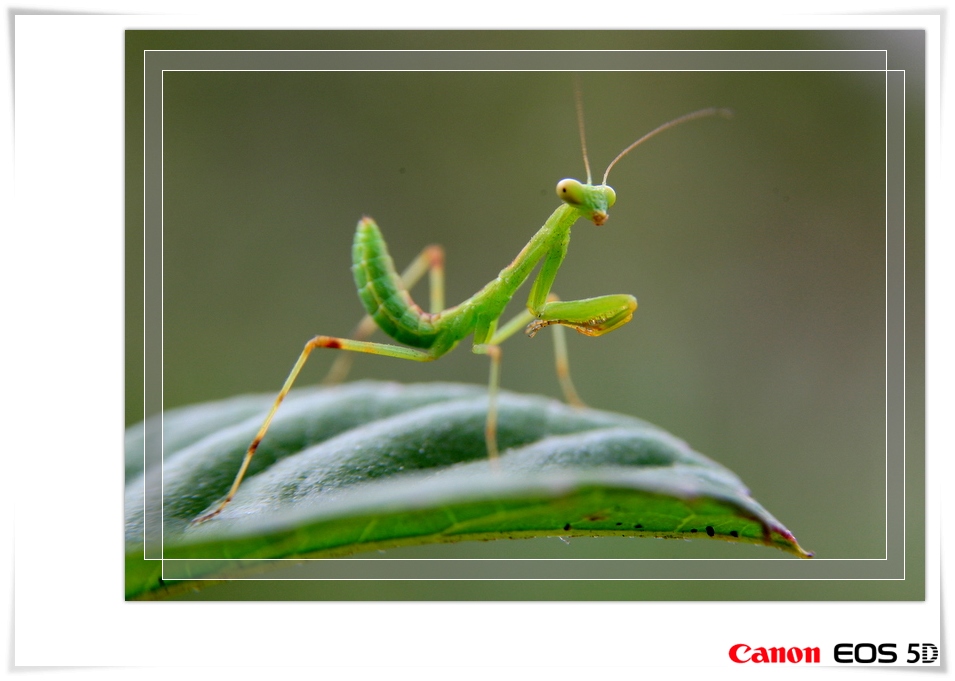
(491, 348)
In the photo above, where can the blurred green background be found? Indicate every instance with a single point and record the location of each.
(754, 246)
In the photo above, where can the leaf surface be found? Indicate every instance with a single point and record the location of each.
(373, 465)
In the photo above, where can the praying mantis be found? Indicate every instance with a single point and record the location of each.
(427, 336)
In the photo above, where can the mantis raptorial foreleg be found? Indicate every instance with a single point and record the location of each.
(591, 316)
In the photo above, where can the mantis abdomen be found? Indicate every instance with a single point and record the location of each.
(382, 292)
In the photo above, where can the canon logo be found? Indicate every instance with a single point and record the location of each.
(743, 653)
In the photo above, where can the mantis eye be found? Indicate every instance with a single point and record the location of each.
(571, 191)
(611, 196)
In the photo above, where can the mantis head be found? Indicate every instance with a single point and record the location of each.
(592, 201)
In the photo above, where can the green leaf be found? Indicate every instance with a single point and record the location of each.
(186, 425)
(373, 465)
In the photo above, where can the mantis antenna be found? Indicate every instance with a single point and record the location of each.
(702, 113)
(579, 100)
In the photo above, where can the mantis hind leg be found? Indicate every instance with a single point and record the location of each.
(430, 261)
(383, 349)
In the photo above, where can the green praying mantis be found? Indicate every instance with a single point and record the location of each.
(426, 336)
